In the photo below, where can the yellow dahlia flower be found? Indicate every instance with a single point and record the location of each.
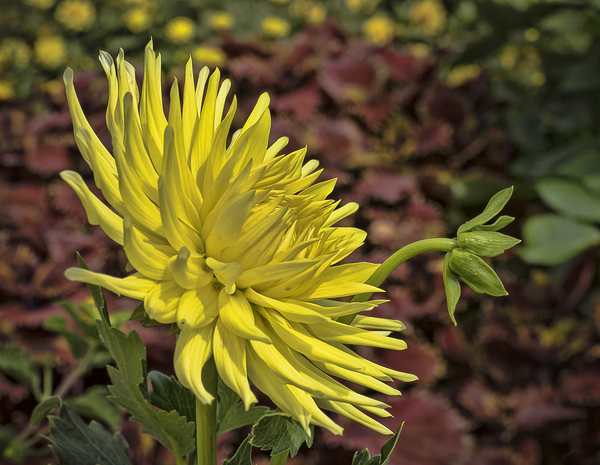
(234, 243)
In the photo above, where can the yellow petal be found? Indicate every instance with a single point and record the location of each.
(198, 307)
(226, 273)
(162, 301)
(291, 310)
(353, 413)
(190, 270)
(342, 280)
(230, 359)
(237, 315)
(193, 349)
(332, 331)
(262, 275)
(368, 322)
(135, 286)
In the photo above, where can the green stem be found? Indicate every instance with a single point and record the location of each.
(399, 257)
(206, 418)
(280, 458)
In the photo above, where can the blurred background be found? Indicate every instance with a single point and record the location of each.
(422, 109)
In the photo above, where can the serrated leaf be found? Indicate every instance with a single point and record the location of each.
(278, 432)
(570, 199)
(78, 443)
(486, 243)
(57, 324)
(18, 364)
(97, 294)
(43, 408)
(242, 456)
(94, 403)
(231, 413)
(364, 458)
(451, 286)
(553, 239)
(477, 274)
(129, 390)
(494, 206)
(169, 394)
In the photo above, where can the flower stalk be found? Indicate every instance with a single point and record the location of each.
(206, 418)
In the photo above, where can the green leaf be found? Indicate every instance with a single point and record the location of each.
(87, 325)
(43, 408)
(231, 413)
(78, 443)
(18, 364)
(553, 239)
(94, 403)
(9, 449)
(500, 223)
(278, 432)
(242, 456)
(97, 294)
(477, 274)
(451, 286)
(364, 458)
(57, 324)
(570, 199)
(129, 390)
(168, 394)
(494, 206)
(139, 313)
(486, 243)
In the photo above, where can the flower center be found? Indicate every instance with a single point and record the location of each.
(226, 273)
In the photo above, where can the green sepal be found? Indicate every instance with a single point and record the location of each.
(500, 223)
(494, 206)
(242, 456)
(451, 286)
(486, 243)
(76, 442)
(139, 313)
(364, 458)
(43, 408)
(231, 413)
(278, 432)
(477, 274)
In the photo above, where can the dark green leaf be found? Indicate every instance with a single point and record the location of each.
(231, 413)
(139, 312)
(81, 444)
(94, 403)
(97, 294)
(278, 432)
(168, 394)
(242, 456)
(476, 273)
(553, 239)
(486, 243)
(570, 199)
(57, 324)
(18, 364)
(451, 286)
(364, 458)
(43, 408)
(129, 390)
(494, 206)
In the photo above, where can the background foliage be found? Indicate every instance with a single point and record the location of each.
(422, 109)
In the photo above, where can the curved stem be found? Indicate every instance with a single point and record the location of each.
(206, 418)
(399, 257)
(280, 458)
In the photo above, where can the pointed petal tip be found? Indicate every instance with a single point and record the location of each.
(68, 76)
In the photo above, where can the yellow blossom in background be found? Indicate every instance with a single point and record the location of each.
(280, 2)
(419, 49)
(367, 6)
(538, 78)
(41, 4)
(234, 243)
(7, 90)
(274, 26)
(531, 34)
(137, 19)
(180, 30)
(76, 15)
(378, 30)
(210, 56)
(50, 51)
(428, 17)
(221, 21)
(315, 14)
(509, 56)
(14, 52)
(461, 74)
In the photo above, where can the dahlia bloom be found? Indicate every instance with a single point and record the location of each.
(234, 243)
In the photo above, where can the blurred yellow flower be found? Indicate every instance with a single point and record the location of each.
(6, 90)
(378, 30)
(137, 19)
(41, 4)
(274, 26)
(366, 5)
(210, 56)
(531, 34)
(419, 49)
(461, 74)
(50, 51)
(428, 16)
(315, 14)
(538, 78)
(180, 30)
(221, 21)
(14, 52)
(280, 2)
(509, 56)
(76, 15)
